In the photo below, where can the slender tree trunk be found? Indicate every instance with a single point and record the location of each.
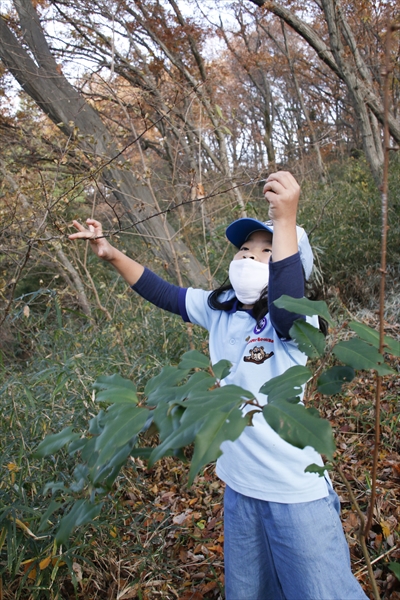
(48, 87)
(352, 70)
(71, 276)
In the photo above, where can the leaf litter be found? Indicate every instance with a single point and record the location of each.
(163, 539)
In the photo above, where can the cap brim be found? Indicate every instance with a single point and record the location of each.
(238, 231)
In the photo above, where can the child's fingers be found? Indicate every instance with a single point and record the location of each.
(94, 223)
(78, 226)
(273, 186)
(84, 234)
(92, 231)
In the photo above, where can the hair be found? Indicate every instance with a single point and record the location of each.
(260, 308)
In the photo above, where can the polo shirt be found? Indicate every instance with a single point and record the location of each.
(259, 464)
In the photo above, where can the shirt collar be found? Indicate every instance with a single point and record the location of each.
(237, 306)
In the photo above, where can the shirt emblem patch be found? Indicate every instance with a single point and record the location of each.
(257, 355)
(261, 325)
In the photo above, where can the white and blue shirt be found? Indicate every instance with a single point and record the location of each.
(259, 464)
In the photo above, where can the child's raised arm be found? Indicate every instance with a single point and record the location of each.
(130, 270)
(282, 192)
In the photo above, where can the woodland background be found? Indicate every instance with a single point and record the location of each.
(162, 118)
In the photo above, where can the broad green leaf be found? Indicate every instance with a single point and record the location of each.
(44, 521)
(309, 339)
(115, 388)
(124, 422)
(372, 337)
(88, 451)
(53, 443)
(362, 356)
(105, 381)
(217, 428)
(167, 418)
(77, 445)
(141, 452)
(395, 568)
(81, 513)
(288, 385)
(194, 360)
(320, 471)
(332, 380)
(297, 426)
(96, 424)
(304, 306)
(200, 380)
(200, 408)
(222, 369)
(54, 486)
(166, 380)
(108, 472)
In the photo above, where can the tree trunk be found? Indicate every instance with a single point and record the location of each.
(58, 99)
(71, 276)
(353, 71)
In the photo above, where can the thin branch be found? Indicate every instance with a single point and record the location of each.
(361, 536)
(387, 70)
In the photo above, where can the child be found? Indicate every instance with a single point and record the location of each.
(283, 535)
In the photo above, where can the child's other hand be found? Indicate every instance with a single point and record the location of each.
(93, 233)
(282, 192)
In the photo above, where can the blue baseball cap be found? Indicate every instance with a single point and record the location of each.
(239, 231)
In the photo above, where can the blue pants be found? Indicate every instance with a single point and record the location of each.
(279, 551)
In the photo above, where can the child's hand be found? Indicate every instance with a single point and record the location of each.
(99, 244)
(282, 192)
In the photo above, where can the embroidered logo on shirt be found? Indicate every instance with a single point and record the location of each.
(257, 355)
(250, 340)
(261, 325)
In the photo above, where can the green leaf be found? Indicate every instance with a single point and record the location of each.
(318, 469)
(332, 380)
(309, 339)
(123, 422)
(372, 337)
(226, 130)
(167, 418)
(222, 369)
(395, 568)
(201, 408)
(115, 388)
(96, 424)
(141, 452)
(53, 443)
(194, 360)
(77, 445)
(162, 387)
(44, 521)
(198, 381)
(297, 426)
(108, 472)
(304, 306)
(288, 385)
(219, 111)
(217, 428)
(362, 356)
(81, 513)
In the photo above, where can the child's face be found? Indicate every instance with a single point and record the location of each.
(257, 247)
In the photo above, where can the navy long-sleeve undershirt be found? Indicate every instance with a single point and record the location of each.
(286, 277)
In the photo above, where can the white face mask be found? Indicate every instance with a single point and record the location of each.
(248, 278)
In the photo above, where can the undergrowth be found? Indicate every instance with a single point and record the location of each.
(155, 537)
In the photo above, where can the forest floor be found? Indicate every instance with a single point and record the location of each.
(159, 538)
(171, 536)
